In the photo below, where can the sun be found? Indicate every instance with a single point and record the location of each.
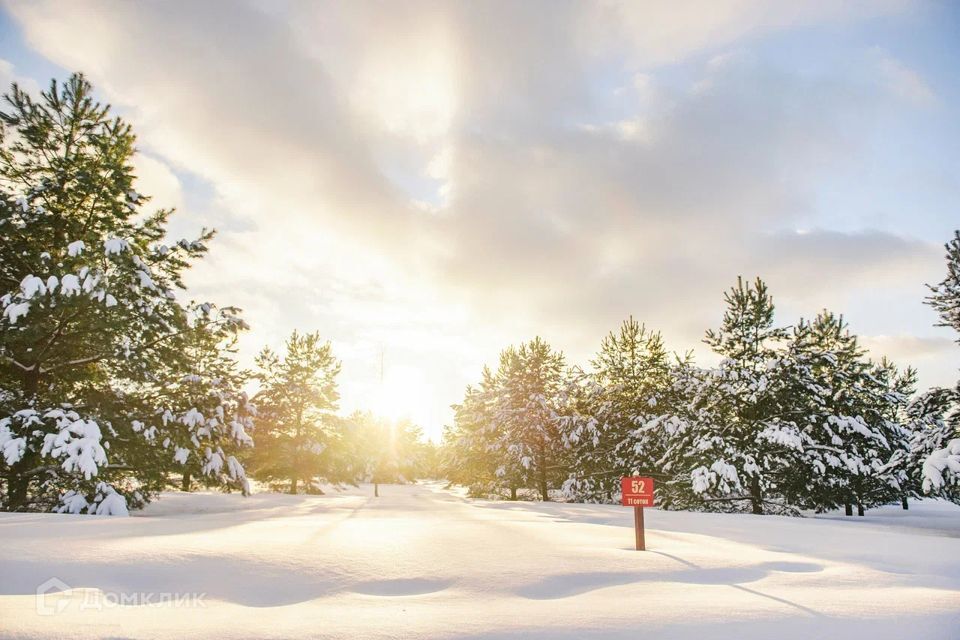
(405, 394)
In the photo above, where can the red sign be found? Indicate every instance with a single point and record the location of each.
(636, 491)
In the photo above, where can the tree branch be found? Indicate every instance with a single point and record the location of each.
(18, 364)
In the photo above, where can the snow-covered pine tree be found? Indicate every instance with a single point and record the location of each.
(888, 394)
(689, 402)
(469, 452)
(940, 443)
(88, 306)
(204, 414)
(295, 405)
(732, 442)
(609, 408)
(513, 470)
(526, 416)
(933, 461)
(850, 417)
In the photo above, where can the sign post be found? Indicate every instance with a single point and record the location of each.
(637, 492)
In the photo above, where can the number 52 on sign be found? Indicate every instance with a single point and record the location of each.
(636, 491)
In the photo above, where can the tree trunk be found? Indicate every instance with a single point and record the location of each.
(542, 479)
(376, 489)
(30, 383)
(756, 496)
(904, 503)
(16, 491)
(293, 485)
(859, 508)
(513, 493)
(185, 481)
(848, 509)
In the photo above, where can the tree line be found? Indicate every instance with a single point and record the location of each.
(113, 384)
(793, 418)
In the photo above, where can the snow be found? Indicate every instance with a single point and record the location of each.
(421, 561)
(939, 461)
(31, 286)
(75, 248)
(11, 447)
(181, 455)
(78, 442)
(16, 310)
(719, 474)
(106, 502)
(69, 285)
(145, 280)
(111, 503)
(115, 245)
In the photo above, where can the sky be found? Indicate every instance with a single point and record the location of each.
(425, 183)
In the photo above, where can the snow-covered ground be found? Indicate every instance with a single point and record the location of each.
(422, 562)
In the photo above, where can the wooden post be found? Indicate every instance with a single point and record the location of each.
(637, 492)
(638, 527)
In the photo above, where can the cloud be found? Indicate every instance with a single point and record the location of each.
(934, 356)
(902, 80)
(8, 75)
(909, 348)
(156, 179)
(444, 178)
(661, 33)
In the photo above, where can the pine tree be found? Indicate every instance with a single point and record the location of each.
(934, 457)
(89, 316)
(850, 411)
(295, 411)
(939, 441)
(526, 416)
(609, 408)
(206, 414)
(468, 451)
(732, 441)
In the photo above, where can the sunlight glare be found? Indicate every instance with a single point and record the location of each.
(405, 394)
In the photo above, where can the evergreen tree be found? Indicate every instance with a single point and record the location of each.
(295, 412)
(888, 392)
(468, 452)
(936, 444)
(609, 409)
(205, 411)
(526, 416)
(735, 437)
(506, 434)
(89, 315)
(851, 415)
(934, 457)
